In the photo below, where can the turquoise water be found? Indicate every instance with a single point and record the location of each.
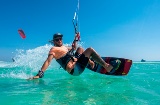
(139, 87)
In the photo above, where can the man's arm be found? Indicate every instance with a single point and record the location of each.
(74, 44)
(44, 67)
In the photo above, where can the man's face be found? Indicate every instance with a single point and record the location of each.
(58, 41)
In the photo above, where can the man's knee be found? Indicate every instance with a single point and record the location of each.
(90, 49)
(80, 50)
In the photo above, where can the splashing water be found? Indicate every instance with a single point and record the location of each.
(26, 62)
(32, 58)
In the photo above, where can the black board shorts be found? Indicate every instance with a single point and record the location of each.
(80, 65)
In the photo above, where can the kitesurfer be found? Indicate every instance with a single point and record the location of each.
(75, 63)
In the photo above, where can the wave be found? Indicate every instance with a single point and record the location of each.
(5, 64)
(26, 63)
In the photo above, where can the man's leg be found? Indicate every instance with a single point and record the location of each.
(79, 51)
(90, 52)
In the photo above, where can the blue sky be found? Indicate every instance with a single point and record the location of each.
(118, 28)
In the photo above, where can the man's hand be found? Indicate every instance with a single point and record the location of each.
(77, 36)
(31, 78)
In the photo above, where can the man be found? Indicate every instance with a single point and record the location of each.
(74, 64)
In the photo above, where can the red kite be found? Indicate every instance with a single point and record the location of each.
(22, 34)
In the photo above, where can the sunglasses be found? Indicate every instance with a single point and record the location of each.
(58, 39)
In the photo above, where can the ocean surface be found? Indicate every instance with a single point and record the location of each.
(140, 87)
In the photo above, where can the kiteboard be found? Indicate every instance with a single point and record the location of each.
(122, 70)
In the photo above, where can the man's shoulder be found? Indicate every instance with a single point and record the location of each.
(55, 47)
(67, 47)
(52, 48)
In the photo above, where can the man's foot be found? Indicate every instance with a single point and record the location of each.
(91, 63)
